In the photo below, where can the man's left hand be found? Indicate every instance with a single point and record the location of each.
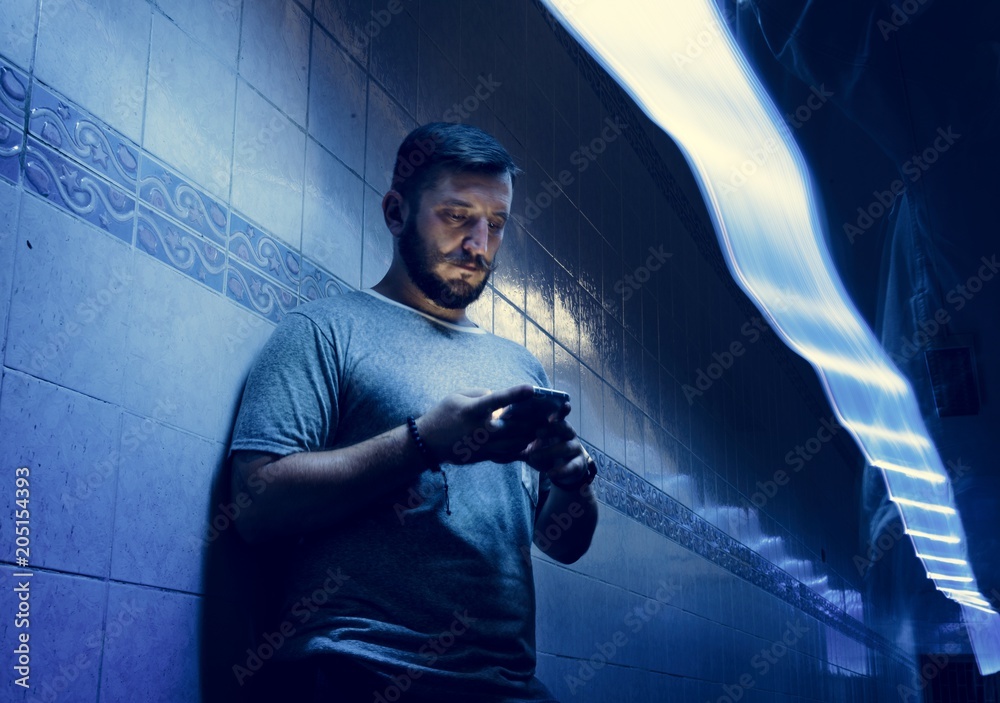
(557, 451)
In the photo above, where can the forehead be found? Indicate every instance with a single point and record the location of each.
(483, 189)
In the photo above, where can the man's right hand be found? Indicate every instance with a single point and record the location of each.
(461, 428)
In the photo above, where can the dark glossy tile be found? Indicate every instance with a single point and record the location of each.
(566, 235)
(388, 125)
(441, 20)
(358, 24)
(566, 309)
(541, 345)
(508, 321)
(591, 318)
(613, 352)
(511, 276)
(540, 303)
(393, 47)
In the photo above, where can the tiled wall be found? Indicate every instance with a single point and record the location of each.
(174, 176)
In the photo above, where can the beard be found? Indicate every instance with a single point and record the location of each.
(420, 262)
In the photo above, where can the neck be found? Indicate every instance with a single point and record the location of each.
(397, 285)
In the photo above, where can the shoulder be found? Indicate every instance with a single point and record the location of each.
(329, 314)
(324, 309)
(520, 355)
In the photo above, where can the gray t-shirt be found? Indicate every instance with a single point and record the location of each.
(402, 585)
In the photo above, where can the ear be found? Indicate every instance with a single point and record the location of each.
(395, 211)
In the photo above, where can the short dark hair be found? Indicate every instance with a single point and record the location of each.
(435, 147)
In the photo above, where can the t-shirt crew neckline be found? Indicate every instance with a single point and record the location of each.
(450, 325)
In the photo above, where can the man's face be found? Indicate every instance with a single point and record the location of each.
(449, 245)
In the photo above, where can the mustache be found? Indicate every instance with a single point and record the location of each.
(479, 261)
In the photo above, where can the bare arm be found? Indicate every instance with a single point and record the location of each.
(308, 491)
(567, 517)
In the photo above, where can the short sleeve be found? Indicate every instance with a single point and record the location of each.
(289, 403)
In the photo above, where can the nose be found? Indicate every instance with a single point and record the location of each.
(478, 237)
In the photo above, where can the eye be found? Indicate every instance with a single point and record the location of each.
(455, 217)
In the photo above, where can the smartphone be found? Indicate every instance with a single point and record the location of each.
(535, 411)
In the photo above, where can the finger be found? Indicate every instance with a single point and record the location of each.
(473, 392)
(551, 454)
(506, 397)
(559, 430)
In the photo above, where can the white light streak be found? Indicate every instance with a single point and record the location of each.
(931, 507)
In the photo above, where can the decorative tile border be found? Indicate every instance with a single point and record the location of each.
(11, 139)
(90, 171)
(13, 93)
(83, 138)
(180, 248)
(256, 293)
(255, 248)
(172, 195)
(633, 496)
(78, 191)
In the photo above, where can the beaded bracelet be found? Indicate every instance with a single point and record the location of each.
(429, 459)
